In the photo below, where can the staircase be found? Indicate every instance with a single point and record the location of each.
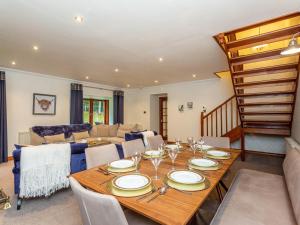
(264, 81)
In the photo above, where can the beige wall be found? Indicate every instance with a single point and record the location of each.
(296, 120)
(208, 93)
(21, 85)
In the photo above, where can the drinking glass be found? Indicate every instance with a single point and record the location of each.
(161, 148)
(173, 152)
(201, 143)
(194, 147)
(136, 158)
(156, 160)
(177, 141)
(190, 140)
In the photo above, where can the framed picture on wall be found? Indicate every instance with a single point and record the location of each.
(44, 104)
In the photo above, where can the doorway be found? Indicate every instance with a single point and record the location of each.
(163, 117)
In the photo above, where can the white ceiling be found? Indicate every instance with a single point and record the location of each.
(128, 34)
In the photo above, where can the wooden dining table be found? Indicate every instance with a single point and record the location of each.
(172, 208)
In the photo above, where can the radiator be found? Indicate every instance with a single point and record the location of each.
(24, 138)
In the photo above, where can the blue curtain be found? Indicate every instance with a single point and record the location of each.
(3, 119)
(118, 107)
(76, 110)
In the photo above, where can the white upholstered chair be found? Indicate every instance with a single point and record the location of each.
(221, 142)
(101, 155)
(131, 147)
(99, 209)
(155, 141)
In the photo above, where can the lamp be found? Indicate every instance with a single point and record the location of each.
(293, 46)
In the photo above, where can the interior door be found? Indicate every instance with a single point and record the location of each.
(163, 117)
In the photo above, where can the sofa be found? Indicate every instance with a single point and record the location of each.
(261, 198)
(112, 133)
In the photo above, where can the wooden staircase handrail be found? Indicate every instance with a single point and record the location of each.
(218, 107)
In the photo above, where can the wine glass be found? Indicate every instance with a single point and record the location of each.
(136, 158)
(173, 152)
(177, 142)
(161, 148)
(190, 141)
(201, 143)
(156, 160)
(194, 147)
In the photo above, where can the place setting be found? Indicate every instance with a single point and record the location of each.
(217, 154)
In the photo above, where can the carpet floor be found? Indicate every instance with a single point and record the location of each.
(61, 208)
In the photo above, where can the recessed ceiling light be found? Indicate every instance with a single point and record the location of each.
(35, 47)
(13, 63)
(116, 70)
(156, 81)
(194, 75)
(87, 77)
(128, 85)
(160, 59)
(78, 19)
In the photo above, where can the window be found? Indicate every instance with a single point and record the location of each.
(95, 111)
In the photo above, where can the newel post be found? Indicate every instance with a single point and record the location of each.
(202, 124)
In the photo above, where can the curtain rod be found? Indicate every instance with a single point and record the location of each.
(98, 88)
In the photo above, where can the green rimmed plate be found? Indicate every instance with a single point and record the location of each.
(128, 194)
(185, 177)
(203, 164)
(131, 182)
(153, 153)
(188, 187)
(217, 154)
(114, 170)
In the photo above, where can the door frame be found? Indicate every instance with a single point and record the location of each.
(161, 100)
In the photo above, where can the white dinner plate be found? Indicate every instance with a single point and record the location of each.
(185, 177)
(122, 164)
(152, 153)
(205, 147)
(132, 182)
(217, 153)
(203, 162)
(172, 146)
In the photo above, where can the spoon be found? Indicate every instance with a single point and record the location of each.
(162, 191)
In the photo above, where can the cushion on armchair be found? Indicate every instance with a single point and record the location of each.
(49, 139)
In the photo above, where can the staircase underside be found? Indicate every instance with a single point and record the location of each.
(265, 82)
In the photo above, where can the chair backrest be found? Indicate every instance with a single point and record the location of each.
(97, 209)
(221, 142)
(100, 155)
(155, 141)
(131, 147)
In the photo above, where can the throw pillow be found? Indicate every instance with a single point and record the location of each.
(55, 138)
(113, 130)
(103, 130)
(80, 135)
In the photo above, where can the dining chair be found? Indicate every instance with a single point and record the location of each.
(101, 155)
(155, 141)
(221, 142)
(131, 147)
(100, 209)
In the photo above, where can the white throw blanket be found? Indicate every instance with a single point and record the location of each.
(147, 134)
(44, 169)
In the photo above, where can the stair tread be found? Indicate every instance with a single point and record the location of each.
(263, 82)
(269, 131)
(290, 66)
(266, 112)
(265, 103)
(266, 121)
(265, 93)
(257, 56)
(268, 37)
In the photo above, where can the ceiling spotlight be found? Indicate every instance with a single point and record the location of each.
(116, 70)
(194, 75)
(293, 46)
(35, 48)
(156, 81)
(78, 19)
(128, 85)
(13, 63)
(160, 59)
(87, 77)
